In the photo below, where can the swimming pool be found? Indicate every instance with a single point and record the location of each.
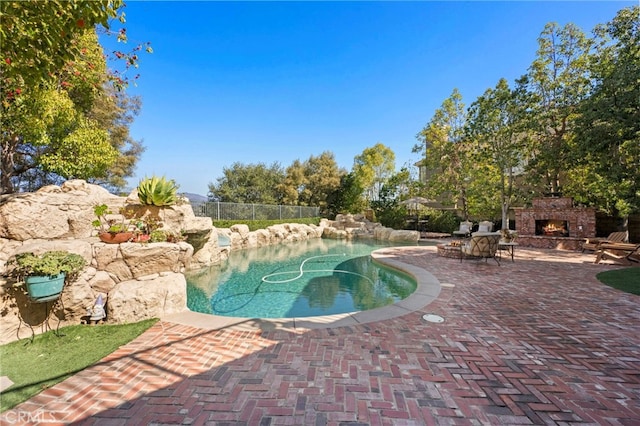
(304, 279)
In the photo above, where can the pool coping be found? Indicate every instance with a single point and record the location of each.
(427, 290)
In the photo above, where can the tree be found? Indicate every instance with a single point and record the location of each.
(37, 37)
(252, 183)
(52, 46)
(372, 168)
(311, 182)
(45, 134)
(81, 116)
(387, 208)
(494, 126)
(91, 88)
(445, 151)
(607, 146)
(347, 198)
(558, 78)
(115, 111)
(293, 183)
(322, 176)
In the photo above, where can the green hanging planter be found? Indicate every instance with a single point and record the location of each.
(44, 288)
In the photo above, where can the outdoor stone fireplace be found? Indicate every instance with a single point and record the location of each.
(554, 222)
(555, 228)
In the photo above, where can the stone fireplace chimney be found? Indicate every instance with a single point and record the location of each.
(554, 222)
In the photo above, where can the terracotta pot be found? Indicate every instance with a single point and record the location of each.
(115, 238)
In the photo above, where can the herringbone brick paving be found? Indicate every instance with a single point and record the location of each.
(538, 341)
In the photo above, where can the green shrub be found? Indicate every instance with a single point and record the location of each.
(162, 235)
(254, 225)
(155, 191)
(392, 217)
(157, 236)
(441, 221)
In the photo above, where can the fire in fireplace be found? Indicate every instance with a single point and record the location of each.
(553, 228)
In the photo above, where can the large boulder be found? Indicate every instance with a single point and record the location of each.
(263, 237)
(155, 297)
(335, 234)
(404, 236)
(347, 221)
(82, 247)
(209, 254)
(133, 260)
(382, 233)
(147, 259)
(348, 226)
(53, 212)
(241, 229)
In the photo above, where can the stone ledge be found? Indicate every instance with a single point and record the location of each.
(548, 242)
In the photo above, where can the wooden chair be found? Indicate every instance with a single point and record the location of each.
(622, 253)
(615, 237)
(482, 245)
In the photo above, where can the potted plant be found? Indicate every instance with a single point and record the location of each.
(157, 192)
(45, 274)
(110, 229)
(144, 227)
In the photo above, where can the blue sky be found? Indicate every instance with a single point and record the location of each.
(264, 82)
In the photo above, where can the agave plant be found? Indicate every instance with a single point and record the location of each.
(155, 191)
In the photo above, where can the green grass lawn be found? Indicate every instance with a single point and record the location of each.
(627, 279)
(50, 359)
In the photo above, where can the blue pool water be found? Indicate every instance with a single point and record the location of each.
(310, 278)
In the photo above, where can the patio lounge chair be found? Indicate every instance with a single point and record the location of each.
(485, 226)
(482, 245)
(465, 229)
(623, 253)
(614, 237)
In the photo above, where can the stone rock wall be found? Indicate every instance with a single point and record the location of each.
(136, 280)
(111, 267)
(348, 226)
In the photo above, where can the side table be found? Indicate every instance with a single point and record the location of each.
(510, 248)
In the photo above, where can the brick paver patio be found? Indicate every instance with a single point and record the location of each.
(537, 341)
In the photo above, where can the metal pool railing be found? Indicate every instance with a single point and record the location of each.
(233, 211)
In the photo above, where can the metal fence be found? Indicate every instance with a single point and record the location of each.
(233, 211)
